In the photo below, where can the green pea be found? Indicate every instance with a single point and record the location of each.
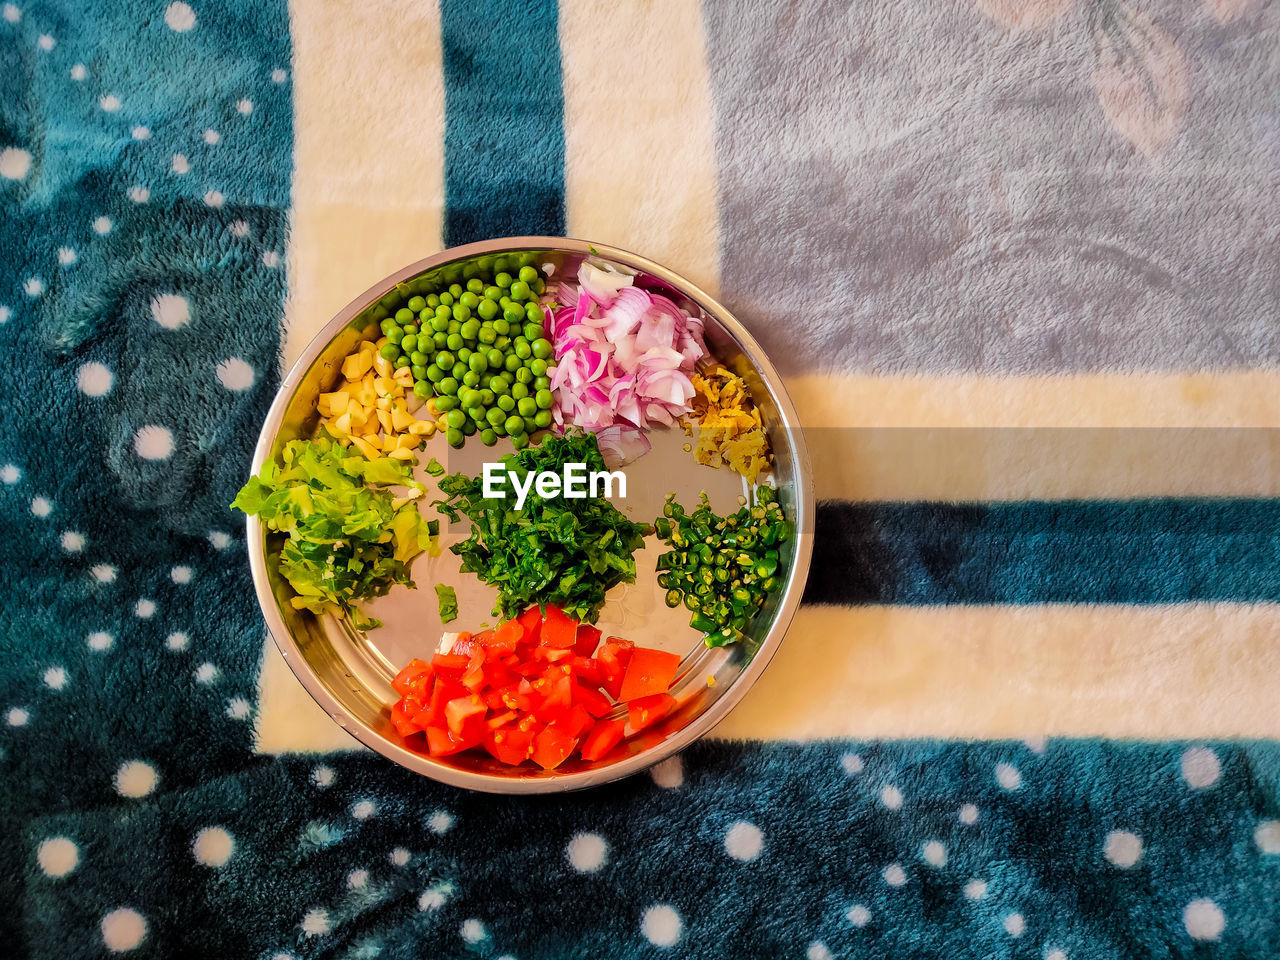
(426, 315)
(524, 375)
(469, 427)
(468, 396)
(511, 363)
(455, 326)
(538, 366)
(444, 360)
(514, 425)
(542, 349)
(446, 299)
(401, 361)
(513, 313)
(409, 328)
(471, 378)
(532, 331)
(464, 354)
(456, 290)
(449, 386)
(389, 351)
(500, 427)
(528, 274)
(455, 419)
(527, 408)
(444, 402)
(487, 335)
(440, 324)
(520, 290)
(500, 326)
(503, 280)
(502, 343)
(405, 315)
(500, 386)
(454, 437)
(417, 303)
(533, 312)
(469, 300)
(478, 362)
(506, 403)
(541, 383)
(542, 419)
(471, 329)
(539, 286)
(495, 415)
(519, 391)
(419, 372)
(461, 312)
(488, 437)
(419, 358)
(487, 396)
(476, 414)
(459, 370)
(530, 425)
(519, 441)
(544, 399)
(432, 301)
(454, 341)
(439, 339)
(493, 293)
(395, 336)
(434, 373)
(487, 310)
(422, 389)
(387, 326)
(408, 343)
(495, 357)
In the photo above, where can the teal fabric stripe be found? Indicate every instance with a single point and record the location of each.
(1130, 551)
(504, 120)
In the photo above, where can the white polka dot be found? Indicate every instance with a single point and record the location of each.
(213, 847)
(55, 678)
(284, 956)
(244, 107)
(10, 474)
(11, 13)
(363, 809)
(316, 923)
(57, 856)
(213, 198)
(891, 797)
(66, 256)
(587, 852)
(270, 259)
(103, 572)
(219, 539)
(33, 286)
(123, 929)
(1036, 744)
(41, 507)
(278, 76)
(1008, 776)
(238, 228)
(440, 822)
(322, 777)
(139, 194)
(144, 608)
(399, 856)
(109, 103)
(357, 879)
(180, 163)
(743, 841)
(45, 42)
(817, 951)
(177, 642)
(858, 915)
(135, 779)
(180, 574)
(894, 875)
(101, 226)
(238, 708)
(94, 380)
(661, 925)
(1122, 848)
(472, 931)
(100, 641)
(153, 442)
(14, 163)
(17, 717)
(179, 17)
(72, 542)
(1203, 920)
(852, 763)
(141, 133)
(435, 897)
(669, 774)
(5, 314)
(1053, 953)
(934, 853)
(211, 137)
(1014, 925)
(78, 72)
(1267, 836)
(975, 889)
(235, 374)
(1200, 768)
(206, 674)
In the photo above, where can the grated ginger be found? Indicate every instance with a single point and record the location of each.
(728, 425)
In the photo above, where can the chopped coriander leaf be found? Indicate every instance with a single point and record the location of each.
(448, 600)
(434, 468)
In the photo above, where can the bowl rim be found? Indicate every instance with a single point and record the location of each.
(700, 725)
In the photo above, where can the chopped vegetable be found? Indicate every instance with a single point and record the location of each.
(728, 424)
(523, 693)
(448, 601)
(623, 359)
(561, 551)
(372, 408)
(722, 568)
(350, 536)
(434, 468)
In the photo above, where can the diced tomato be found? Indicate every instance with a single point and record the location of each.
(445, 689)
(450, 661)
(558, 630)
(588, 638)
(552, 747)
(507, 637)
(441, 743)
(501, 719)
(531, 620)
(463, 644)
(413, 680)
(557, 699)
(510, 746)
(401, 715)
(613, 657)
(593, 701)
(465, 717)
(551, 654)
(588, 670)
(604, 736)
(649, 710)
(649, 672)
(473, 676)
(577, 722)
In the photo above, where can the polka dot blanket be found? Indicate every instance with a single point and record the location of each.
(1016, 262)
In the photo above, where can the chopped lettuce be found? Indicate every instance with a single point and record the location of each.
(448, 602)
(349, 535)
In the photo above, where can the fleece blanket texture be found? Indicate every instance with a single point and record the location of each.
(1017, 262)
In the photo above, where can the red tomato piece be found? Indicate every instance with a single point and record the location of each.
(552, 747)
(445, 689)
(507, 637)
(413, 680)
(531, 621)
(604, 736)
(557, 700)
(558, 630)
(588, 670)
(551, 654)
(613, 657)
(577, 722)
(473, 676)
(648, 672)
(510, 746)
(401, 715)
(587, 639)
(502, 719)
(441, 743)
(593, 701)
(450, 661)
(649, 710)
(465, 715)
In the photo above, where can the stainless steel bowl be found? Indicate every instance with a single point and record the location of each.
(348, 672)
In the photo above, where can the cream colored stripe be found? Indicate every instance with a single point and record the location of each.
(1194, 670)
(639, 145)
(368, 183)
(289, 721)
